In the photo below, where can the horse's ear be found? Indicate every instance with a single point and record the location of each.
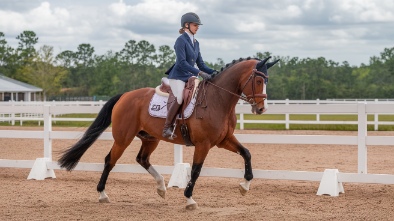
(262, 63)
(272, 63)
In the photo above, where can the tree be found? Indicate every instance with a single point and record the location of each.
(166, 57)
(43, 72)
(26, 50)
(7, 57)
(129, 53)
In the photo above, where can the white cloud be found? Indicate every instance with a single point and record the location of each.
(364, 11)
(161, 12)
(353, 30)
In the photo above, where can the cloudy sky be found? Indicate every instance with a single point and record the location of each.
(340, 30)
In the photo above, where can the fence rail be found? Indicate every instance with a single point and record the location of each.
(31, 111)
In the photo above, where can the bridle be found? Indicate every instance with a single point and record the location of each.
(251, 99)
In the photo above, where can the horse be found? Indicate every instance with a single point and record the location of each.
(213, 125)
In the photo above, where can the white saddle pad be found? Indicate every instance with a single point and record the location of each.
(158, 106)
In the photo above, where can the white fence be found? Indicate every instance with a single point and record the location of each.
(241, 109)
(361, 140)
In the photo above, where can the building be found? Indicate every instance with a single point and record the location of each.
(11, 89)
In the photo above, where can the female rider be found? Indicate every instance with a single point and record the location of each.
(188, 63)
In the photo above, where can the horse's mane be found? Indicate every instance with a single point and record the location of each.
(227, 66)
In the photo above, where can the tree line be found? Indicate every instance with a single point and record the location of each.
(141, 64)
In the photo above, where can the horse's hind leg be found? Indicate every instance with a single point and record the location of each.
(149, 144)
(110, 161)
(232, 144)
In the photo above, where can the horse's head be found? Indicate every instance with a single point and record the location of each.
(255, 87)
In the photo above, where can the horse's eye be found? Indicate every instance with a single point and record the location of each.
(258, 82)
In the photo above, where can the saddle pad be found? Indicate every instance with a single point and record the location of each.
(158, 106)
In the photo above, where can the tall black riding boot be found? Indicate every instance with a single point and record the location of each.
(171, 115)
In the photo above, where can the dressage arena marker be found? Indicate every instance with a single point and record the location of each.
(330, 180)
(329, 184)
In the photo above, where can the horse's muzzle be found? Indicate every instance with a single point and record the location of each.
(258, 110)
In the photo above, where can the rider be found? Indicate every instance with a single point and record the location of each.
(188, 63)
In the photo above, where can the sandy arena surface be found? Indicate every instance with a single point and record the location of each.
(73, 196)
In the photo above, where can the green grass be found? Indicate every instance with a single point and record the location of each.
(306, 117)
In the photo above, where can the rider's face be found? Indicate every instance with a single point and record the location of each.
(194, 27)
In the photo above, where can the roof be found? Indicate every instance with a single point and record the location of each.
(10, 85)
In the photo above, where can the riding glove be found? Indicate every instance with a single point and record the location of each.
(204, 75)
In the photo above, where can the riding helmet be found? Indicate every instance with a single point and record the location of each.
(190, 17)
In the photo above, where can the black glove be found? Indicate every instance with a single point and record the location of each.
(204, 75)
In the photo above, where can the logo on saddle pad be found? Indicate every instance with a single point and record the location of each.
(158, 103)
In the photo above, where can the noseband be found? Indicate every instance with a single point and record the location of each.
(251, 99)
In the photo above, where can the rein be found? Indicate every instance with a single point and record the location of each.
(248, 98)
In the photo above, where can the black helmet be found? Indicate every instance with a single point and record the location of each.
(190, 17)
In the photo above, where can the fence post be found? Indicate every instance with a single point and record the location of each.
(178, 154)
(362, 134)
(241, 118)
(287, 116)
(12, 114)
(318, 115)
(47, 131)
(376, 118)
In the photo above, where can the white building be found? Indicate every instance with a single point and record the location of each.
(11, 89)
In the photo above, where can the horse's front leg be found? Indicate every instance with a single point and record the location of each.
(232, 144)
(200, 153)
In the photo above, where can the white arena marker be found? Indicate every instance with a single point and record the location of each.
(39, 171)
(329, 184)
(180, 175)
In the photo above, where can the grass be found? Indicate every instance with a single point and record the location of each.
(255, 126)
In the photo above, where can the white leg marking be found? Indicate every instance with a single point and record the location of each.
(103, 197)
(266, 100)
(191, 204)
(161, 186)
(244, 187)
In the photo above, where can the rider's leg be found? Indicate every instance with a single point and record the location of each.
(174, 103)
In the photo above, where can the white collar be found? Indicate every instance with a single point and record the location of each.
(191, 36)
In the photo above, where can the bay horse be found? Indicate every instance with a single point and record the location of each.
(213, 125)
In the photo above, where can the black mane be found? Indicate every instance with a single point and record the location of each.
(236, 62)
(227, 66)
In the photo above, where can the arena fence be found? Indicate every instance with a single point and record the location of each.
(242, 110)
(330, 180)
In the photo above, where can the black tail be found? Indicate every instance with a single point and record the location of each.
(71, 156)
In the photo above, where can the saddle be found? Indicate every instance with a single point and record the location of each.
(189, 91)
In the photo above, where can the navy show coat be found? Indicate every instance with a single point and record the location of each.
(186, 57)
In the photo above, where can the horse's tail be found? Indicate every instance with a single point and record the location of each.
(71, 156)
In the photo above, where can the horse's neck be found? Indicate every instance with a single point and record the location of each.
(230, 81)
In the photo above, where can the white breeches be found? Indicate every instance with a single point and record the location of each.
(177, 87)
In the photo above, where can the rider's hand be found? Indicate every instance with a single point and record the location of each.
(214, 73)
(204, 75)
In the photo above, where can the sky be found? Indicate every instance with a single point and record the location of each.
(338, 30)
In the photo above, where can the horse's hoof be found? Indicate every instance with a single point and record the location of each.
(242, 190)
(104, 200)
(191, 206)
(161, 193)
(103, 197)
